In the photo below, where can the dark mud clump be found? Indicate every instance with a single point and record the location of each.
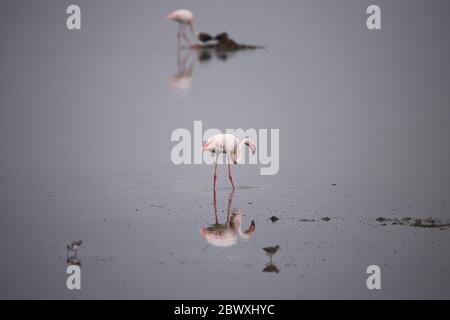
(274, 219)
(417, 223)
(325, 219)
(307, 220)
(430, 223)
(222, 42)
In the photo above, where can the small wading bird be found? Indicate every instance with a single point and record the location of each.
(271, 250)
(230, 145)
(270, 266)
(74, 246)
(185, 19)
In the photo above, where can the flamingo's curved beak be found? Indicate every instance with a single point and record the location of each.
(205, 147)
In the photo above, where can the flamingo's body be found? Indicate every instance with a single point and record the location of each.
(185, 18)
(231, 146)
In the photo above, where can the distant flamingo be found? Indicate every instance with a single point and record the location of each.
(185, 19)
(230, 145)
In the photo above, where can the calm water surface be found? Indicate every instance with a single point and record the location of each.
(85, 126)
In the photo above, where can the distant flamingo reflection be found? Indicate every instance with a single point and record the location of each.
(187, 59)
(227, 234)
(182, 80)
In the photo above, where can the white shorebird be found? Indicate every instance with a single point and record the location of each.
(185, 19)
(231, 146)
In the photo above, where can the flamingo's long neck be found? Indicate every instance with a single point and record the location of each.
(191, 27)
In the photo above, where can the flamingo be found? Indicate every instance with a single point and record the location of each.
(231, 146)
(185, 19)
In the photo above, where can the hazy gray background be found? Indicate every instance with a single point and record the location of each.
(354, 107)
(344, 98)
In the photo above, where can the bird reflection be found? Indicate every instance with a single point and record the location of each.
(271, 266)
(73, 261)
(205, 54)
(227, 234)
(222, 48)
(182, 80)
(186, 59)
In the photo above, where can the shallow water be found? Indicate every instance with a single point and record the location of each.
(86, 120)
(141, 239)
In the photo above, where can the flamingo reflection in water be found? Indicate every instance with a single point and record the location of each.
(182, 80)
(227, 234)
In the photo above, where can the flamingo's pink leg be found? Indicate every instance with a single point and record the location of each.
(229, 176)
(215, 173)
(215, 206)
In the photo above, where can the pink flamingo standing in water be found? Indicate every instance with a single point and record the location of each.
(185, 19)
(231, 146)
